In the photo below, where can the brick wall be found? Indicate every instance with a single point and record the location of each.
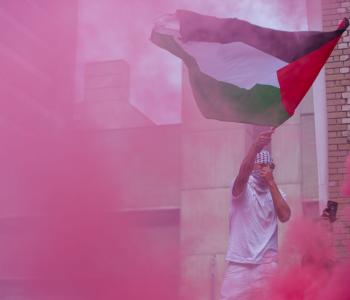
(338, 105)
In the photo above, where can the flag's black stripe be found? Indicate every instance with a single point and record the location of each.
(285, 45)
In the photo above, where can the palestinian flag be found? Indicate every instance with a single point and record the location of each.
(241, 72)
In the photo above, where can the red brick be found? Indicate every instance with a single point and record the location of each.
(338, 83)
(328, 27)
(333, 189)
(328, 4)
(329, 11)
(344, 147)
(342, 171)
(343, 200)
(343, 134)
(344, 120)
(337, 153)
(333, 195)
(341, 121)
(333, 158)
(343, 212)
(333, 183)
(332, 171)
(336, 165)
(336, 115)
(330, 83)
(338, 95)
(345, 82)
(337, 127)
(334, 102)
(337, 89)
(337, 52)
(332, 72)
(331, 108)
(334, 77)
(334, 65)
(332, 96)
(344, 70)
(332, 121)
(337, 141)
(336, 177)
(330, 17)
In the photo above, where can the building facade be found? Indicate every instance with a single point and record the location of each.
(337, 79)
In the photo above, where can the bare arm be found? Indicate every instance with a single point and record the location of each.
(281, 206)
(248, 162)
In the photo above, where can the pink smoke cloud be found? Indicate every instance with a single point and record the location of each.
(62, 188)
(346, 184)
(312, 270)
(121, 30)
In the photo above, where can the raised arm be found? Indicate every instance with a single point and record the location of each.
(248, 162)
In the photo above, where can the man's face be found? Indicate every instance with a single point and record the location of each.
(264, 172)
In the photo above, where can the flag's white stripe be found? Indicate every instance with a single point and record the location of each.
(235, 63)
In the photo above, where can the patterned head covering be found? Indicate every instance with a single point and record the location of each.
(263, 157)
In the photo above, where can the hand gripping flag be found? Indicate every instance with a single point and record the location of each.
(240, 72)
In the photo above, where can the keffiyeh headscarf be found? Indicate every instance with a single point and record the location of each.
(263, 157)
(258, 183)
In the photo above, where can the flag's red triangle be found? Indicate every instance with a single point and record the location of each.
(296, 78)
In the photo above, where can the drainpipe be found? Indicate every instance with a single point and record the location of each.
(314, 16)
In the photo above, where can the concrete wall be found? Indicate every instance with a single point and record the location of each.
(144, 163)
(211, 154)
(106, 98)
(143, 159)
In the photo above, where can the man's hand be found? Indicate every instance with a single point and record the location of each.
(263, 139)
(266, 173)
(248, 163)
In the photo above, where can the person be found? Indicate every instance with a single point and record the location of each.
(256, 205)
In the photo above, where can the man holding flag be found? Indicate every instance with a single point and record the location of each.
(256, 205)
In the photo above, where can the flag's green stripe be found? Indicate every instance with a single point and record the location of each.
(224, 101)
(219, 100)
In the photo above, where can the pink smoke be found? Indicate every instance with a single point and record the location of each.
(65, 231)
(346, 184)
(311, 270)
